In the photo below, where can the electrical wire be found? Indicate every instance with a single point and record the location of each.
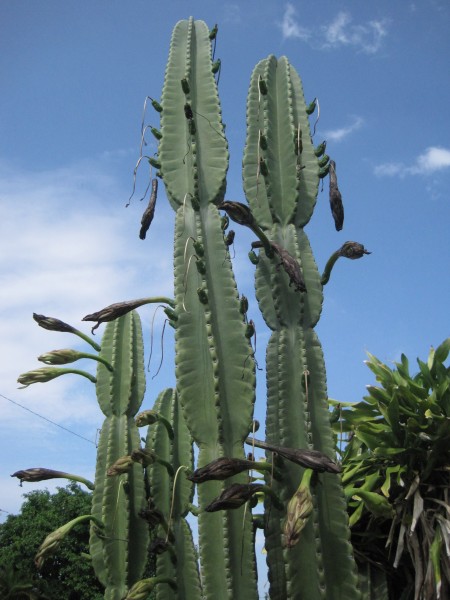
(48, 420)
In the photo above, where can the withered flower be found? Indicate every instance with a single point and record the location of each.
(143, 456)
(238, 212)
(234, 496)
(353, 250)
(121, 466)
(53, 324)
(146, 417)
(311, 459)
(220, 469)
(152, 515)
(299, 508)
(38, 474)
(149, 212)
(337, 208)
(114, 311)
(291, 266)
(159, 546)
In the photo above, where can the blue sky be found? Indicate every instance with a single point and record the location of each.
(74, 78)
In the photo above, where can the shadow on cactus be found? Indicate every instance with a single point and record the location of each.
(143, 495)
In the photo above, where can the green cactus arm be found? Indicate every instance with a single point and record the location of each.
(288, 189)
(185, 572)
(122, 390)
(214, 367)
(182, 152)
(119, 552)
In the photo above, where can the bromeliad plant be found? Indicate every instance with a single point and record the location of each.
(396, 477)
(308, 546)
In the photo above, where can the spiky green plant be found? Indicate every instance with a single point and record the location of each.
(395, 472)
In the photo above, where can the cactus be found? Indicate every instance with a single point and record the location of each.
(214, 367)
(305, 522)
(119, 554)
(282, 201)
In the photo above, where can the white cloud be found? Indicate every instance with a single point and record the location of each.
(434, 159)
(232, 13)
(364, 37)
(290, 27)
(337, 135)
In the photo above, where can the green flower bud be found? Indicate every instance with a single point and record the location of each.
(60, 357)
(299, 508)
(121, 466)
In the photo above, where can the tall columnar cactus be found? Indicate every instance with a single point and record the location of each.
(119, 552)
(214, 367)
(281, 174)
(171, 499)
(307, 537)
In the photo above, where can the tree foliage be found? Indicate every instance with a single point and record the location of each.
(65, 575)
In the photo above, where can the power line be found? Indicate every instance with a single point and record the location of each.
(48, 420)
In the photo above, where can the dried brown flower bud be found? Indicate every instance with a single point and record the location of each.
(337, 208)
(114, 311)
(238, 212)
(220, 469)
(149, 212)
(39, 474)
(353, 250)
(311, 459)
(53, 324)
(234, 496)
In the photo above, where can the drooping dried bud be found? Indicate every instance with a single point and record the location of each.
(299, 508)
(289, 264)
(213, 32)
(60, 357)
(234, 496)
(149, 212)
(311, 459)
(114, 311)
(220, 469)
(353, 250)
(153, 516)
(121, 466)
(337, 208)
(238, 212)
(39, 474)
(143, 456)
(53, 324)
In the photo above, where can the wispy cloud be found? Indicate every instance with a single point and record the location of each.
(232, 13)
(434, 159)
(363, 37)
(290, 27)
(337, 135)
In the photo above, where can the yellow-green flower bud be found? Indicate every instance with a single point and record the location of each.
(121, 466)
(299, 508)
(141, 589)
(60, 357)
(38, 376)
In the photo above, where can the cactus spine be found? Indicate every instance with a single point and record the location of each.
(283, 200)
